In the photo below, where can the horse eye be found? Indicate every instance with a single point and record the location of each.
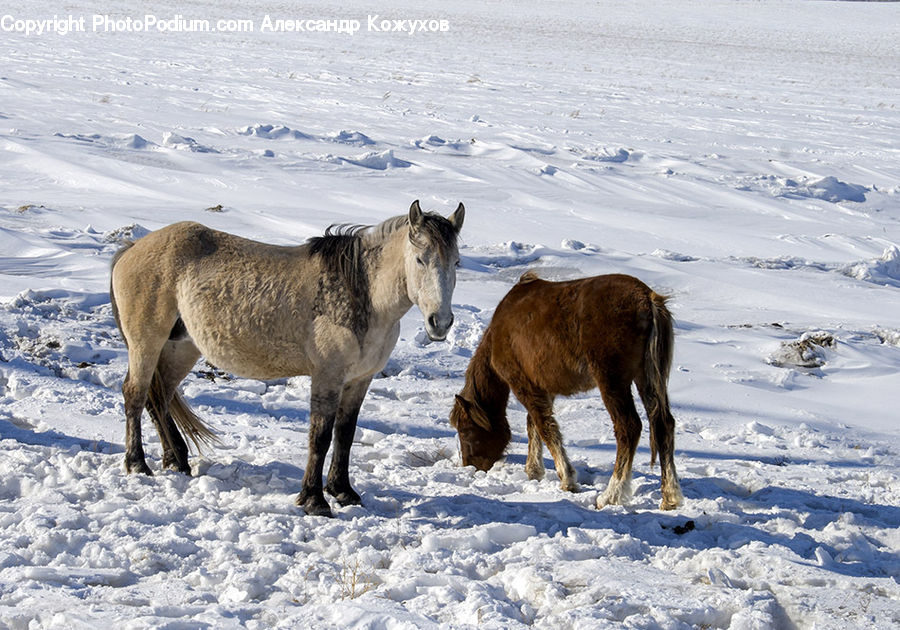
(419, 261)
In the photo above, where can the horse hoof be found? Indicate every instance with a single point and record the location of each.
(137, 467)
(314, 505)
(670, 503)
(345, 497)
(606, 499)
(618, 492)
(569, 487)
(174, 465)
(671, 497)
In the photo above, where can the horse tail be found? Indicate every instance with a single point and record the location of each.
(189, 422)
(657, 365)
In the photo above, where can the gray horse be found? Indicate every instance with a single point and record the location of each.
(329, 308)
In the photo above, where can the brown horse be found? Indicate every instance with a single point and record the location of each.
(560, 338)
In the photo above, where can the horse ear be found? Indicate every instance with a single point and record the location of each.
(456, 219)
(475, 412)
(461, 403)
(480, 417)
(416, 216)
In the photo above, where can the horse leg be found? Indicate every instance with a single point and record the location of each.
(323, 406)
(662, 436)
(161, 420)
(534, 464)
(540, 413)
(665, 444)
(338, 484)
(627, 428)
(175, 362)
(141, 366)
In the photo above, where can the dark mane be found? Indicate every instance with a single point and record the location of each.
(343, 293)
(340, 249)
(342, 244)
(484, 386)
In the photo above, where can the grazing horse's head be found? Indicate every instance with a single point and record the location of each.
(431, 260)
(482, 438)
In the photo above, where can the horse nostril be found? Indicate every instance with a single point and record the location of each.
(450, 323)
(432, 320)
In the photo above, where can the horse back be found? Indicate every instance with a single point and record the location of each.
(192, 250)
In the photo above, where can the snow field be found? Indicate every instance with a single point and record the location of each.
(739, 157)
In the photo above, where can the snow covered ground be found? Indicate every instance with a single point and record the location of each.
(742, 157)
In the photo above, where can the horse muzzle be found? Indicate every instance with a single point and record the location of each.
(437, 327)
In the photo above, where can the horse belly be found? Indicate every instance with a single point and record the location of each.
(254, 360)
(567, 380)
(260, 349)
(261, 366)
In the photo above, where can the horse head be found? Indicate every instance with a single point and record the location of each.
(482, 440)
(432, 256)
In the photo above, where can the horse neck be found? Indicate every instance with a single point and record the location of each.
(483, 385)
(387, 273)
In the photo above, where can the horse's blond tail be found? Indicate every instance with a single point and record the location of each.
(657, 365)
(189, 422)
